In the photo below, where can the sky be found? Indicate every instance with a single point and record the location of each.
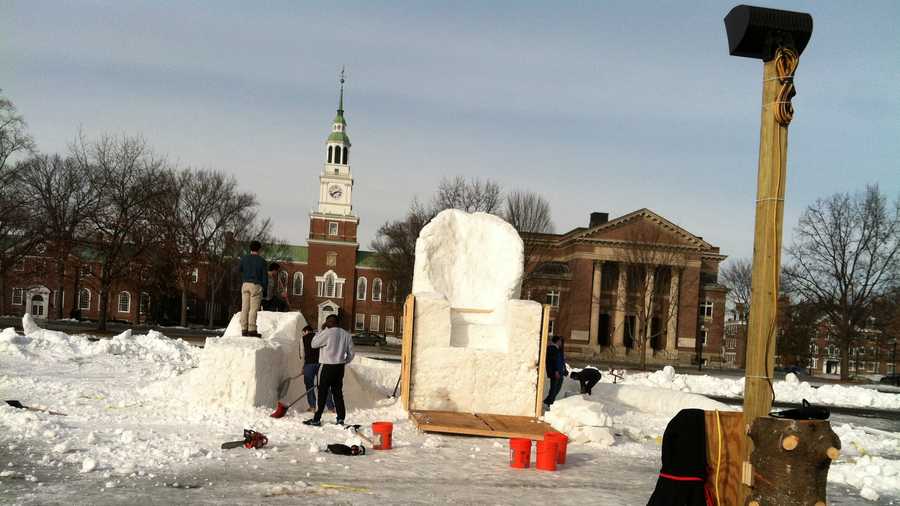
(598, 106)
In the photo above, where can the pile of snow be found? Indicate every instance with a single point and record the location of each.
(469, 320)
(238, 371)
(636, 411)
(789, 390)
(873, 476)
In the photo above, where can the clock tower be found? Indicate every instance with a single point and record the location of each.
(333, 220)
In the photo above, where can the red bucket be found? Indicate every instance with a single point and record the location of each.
(547, 453)
(562, 442)
(519, 453)
(382, 435)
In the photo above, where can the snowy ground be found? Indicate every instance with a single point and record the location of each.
(131, 437)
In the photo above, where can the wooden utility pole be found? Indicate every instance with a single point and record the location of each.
(777, 38)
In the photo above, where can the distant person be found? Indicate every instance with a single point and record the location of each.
(587, 377)
(253, 284)
(272, 300)
(336, 351)
(311, 369)
(556, 369)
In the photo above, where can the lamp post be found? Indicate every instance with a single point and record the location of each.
(777, 38)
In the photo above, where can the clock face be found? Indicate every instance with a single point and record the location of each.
(335, 191)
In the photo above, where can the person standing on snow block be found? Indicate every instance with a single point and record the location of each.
(253, 282)
(556, 368)
(336, 351)
(588, 377)
(272, 301)
(311, 369)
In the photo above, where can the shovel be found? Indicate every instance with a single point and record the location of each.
(19, 405)
(281, 409)
(355, 430)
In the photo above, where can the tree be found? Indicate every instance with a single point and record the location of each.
(131, 181)
(468, 195)
(395, 245)
(736, 276)
(202, 206)
(17, 223)
(797, 325)
(650, 271)
(63, 197)
(529, 214)
(845, 255)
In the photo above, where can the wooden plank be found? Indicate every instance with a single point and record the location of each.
(545, 330)
(477, 424)
(406, 354)
(731, 427)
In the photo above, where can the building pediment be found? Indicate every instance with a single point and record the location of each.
(641, 226)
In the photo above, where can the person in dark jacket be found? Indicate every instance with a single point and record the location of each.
(253, 282)
(682, 478)
(587, 377)
(311, 369)
(556, 369)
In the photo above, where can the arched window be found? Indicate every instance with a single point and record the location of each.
(376, 289)
(84, 299)
(124, 302)
(330, 148)
(297, 289)
(337, 154)
(329, 285)
(361, 286)
(346, 156)
(392, 292)
(144, 307)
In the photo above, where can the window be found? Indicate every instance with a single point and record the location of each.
(360, 323)
(330, 158)
(706, 309)
(553, 298)
(337, 171)
(329, 285)
(346, 156)
(20, 265)
(704, 334)
(84, 299)
(195, 275)
(552, 327)
(376, 290)
(392, 291)
(144, 304)
(374, 323)
(332, 228)
(282, 282)
(331, 259)
(124, 302)
(297, 289)
(389, 324)
(18, 295)
(361, 287)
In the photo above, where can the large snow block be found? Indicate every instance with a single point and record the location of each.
(475, 348)
(246, 371)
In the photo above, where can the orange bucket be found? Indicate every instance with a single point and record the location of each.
(519, 453)
(562, 442)
(547, 453)
(382, 432)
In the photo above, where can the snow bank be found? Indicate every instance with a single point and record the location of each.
(873, 476)
(790, 390)
(238, 371)
(635, 411)
(476, 346)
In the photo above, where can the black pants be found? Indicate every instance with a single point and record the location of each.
(331, 378)
(555, 387)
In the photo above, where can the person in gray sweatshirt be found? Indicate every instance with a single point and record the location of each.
(335, 352)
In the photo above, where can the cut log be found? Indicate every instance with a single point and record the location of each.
(790, 460)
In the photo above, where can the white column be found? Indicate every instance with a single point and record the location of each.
(619, 334)
(649, 279)
(672, 323)
(595, 302)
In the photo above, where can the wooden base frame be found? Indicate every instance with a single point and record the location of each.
(475, 424)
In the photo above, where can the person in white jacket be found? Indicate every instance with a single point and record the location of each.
(336, 351)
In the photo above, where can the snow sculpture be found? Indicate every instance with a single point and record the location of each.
(246, 371)
(475, 346)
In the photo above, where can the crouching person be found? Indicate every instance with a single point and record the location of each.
(587, 377)
(335, 352)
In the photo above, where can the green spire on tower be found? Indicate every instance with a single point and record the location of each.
(339, 126)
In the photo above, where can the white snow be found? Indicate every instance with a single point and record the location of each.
(789, 390)
(468, 321)
(119, 440)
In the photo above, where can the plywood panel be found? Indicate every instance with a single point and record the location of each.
(730, 429)
(476, 424)
(545, 331)
(406, 352)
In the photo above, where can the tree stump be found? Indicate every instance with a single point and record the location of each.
(790, 461)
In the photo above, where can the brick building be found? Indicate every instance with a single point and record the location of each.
(328, 275)
(606, 280)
